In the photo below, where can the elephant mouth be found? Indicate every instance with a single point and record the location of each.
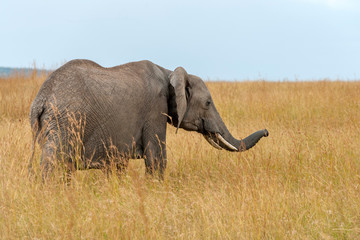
(219, 142)
(189, 126)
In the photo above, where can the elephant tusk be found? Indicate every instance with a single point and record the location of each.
(226, 143)
(212, 142)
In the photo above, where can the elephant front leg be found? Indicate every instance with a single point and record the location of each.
(155, 151)
(155, 158)
(154, 138)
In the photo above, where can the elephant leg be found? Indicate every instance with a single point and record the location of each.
(155, 149)
(51, 158)
(47, 162)
(155, 160)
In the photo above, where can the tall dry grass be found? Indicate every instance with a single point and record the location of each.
(302, 182)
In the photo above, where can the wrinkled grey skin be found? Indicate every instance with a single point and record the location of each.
(127, 106)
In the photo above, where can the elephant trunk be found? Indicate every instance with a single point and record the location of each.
(222, 138)
(228, 142)
(251, 140)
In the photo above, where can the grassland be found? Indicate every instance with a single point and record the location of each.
(302, 182)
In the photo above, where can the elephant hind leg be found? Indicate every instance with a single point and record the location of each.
(51, 159)
(48, 158)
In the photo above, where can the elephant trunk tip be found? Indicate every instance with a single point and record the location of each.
(266, 132)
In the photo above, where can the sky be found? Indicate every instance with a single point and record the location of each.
(216, 40)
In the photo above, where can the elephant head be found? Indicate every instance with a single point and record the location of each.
(192, 108)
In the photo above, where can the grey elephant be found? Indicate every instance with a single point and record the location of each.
(126, 107)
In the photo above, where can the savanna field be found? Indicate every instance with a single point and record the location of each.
(302, 182)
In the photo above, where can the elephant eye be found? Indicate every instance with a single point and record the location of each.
(208, 102)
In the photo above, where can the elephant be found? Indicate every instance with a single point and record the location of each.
(126, 107)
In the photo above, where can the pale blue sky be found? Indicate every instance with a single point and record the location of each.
(219, 40)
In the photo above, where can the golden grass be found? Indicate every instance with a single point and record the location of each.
(302, 182)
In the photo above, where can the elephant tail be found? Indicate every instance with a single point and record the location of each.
(36, 110)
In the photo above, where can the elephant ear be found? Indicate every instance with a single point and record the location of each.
(179, 81)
